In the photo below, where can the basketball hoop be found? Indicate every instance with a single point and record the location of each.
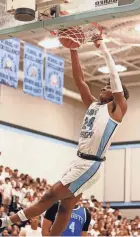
(80, 35)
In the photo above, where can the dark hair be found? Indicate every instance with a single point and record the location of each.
(126, 92)
(38, 180)
(17, 187)
(15, 170)
(24, 185)
(119, 217)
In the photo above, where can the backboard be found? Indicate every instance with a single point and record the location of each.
(80, 12)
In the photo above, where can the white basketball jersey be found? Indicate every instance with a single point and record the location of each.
(97, 130)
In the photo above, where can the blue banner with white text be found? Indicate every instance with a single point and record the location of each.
(33, 70)
(9, 61)
(54, 79)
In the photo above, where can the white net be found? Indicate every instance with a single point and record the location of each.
(81, 34)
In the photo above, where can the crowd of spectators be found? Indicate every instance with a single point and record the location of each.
(18, 191)
(107, 221)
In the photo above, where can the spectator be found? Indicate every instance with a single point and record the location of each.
(9, 228)
(15, 173)
(86, 203)
(134, 230)
(108, 208)
(92, 198)
(16, 228)
(2, 213)
(95, 231)
(118, 221)
(14, 233)
(24, 190)
(2, 168)
(15, 206)
(38, 180)
(5, 233)
(101, 209)
(21, 190)
(96, 204)
(10, 173)
(33, 229)
(6, 193)
(116, 212)
(6, 172)
(16, 192)
(1, 177)
(27, 200)
(1, 191)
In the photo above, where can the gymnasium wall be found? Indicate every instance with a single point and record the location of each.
(120, 176)
(130, 129)
(35, 113)
(65, 120)
(41, 156)
(34, 154)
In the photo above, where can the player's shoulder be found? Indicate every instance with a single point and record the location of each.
(94, 103)
(92, 106)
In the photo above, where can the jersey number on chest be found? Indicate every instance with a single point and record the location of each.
(72, 227)
(88, 123)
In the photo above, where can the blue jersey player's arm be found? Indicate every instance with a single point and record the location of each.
(87, 223)
(78, 76)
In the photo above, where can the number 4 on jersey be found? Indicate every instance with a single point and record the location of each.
(72, 227)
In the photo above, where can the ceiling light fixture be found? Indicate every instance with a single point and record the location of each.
(120, 68)
(50, 43)
(106, 40)
(137, 28)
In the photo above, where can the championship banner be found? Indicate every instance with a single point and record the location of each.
(54, 79)
(33, 70)
(9, 62)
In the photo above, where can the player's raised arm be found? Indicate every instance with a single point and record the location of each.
(115, 82)
(78, 76)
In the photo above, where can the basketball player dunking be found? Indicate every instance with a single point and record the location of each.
(100, 123)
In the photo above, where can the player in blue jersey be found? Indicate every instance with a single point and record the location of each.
(78, 223)
(101, 120)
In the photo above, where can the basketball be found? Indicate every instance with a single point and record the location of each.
(71, 38)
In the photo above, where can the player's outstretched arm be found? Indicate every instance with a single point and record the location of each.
(115, 81)
(78, 76)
